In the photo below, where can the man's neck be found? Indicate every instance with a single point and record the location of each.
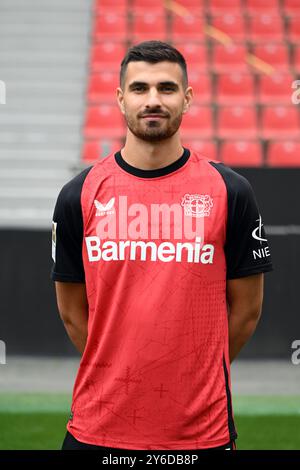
(149, 155)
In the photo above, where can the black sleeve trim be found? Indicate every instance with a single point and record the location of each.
(68, 263)
(251, 270)
(65, 277)
(246, 248)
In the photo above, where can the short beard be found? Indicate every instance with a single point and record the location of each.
(154, 133)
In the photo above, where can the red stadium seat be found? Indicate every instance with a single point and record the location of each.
(237, 122)
(105, 6)
(231, 58)
(235, 89)
(232, 25)
(110, 26)
(265, 6)
(148, 26)
(294, 28)
(195, 7)
(275, 89)
(207, 148)
(95, 149)
(188, 27)
(228, 6)
(284, 153)
(91, 150)
(102, 87)
(242, 153)
(142, 7)
(197, 123)
(107, 56)
(266, 28)
(104, 121)
(291, 7)
(195, 55)
(296, 59)
(274, 54)
(202, 87)
(280, 122)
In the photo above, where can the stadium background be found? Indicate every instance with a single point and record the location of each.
(59, 62)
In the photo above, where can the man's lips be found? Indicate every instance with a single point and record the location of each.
(153, 116)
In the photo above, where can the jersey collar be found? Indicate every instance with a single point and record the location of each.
(156, 172)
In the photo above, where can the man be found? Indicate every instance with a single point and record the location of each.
(159, 262)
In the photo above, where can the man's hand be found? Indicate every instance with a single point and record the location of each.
(73, 309)
(244, 299)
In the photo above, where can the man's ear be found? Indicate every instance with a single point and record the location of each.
(188, 99)
(120, 99)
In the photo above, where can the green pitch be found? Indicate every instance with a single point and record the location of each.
(38, 421)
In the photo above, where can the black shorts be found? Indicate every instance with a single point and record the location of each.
(70, 443)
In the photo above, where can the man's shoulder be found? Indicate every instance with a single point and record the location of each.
(230, 176)
(71, 190)
(234, 181)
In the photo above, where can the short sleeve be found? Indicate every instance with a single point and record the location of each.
(246, 249)
(67, 233)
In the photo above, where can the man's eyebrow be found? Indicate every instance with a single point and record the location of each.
(169, 83)
(166, 83)
(133, 84)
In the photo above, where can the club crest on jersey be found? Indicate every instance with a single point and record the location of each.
(197, 205)
(104, 209)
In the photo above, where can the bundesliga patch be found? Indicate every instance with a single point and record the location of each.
(54, 225)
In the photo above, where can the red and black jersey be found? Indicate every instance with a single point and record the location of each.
(155, 249)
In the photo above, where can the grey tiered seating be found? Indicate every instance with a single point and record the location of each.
(44, 50)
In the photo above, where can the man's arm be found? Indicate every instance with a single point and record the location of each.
(73, 309)
(244, 299)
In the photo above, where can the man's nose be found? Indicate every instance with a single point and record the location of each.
(153, 98)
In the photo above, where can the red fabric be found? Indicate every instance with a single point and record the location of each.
(152, 373)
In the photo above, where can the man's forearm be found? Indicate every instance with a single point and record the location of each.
(244, 304)
(77, 333)
(240, 331)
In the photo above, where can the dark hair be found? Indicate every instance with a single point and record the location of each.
(153, 52)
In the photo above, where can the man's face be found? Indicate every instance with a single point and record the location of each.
(153, 99)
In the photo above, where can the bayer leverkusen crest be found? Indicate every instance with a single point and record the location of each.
(197, 205)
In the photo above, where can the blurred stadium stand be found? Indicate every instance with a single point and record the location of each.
(246, 52)
(43, 51)
(60, 61)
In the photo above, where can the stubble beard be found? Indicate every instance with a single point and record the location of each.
(153, 131)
